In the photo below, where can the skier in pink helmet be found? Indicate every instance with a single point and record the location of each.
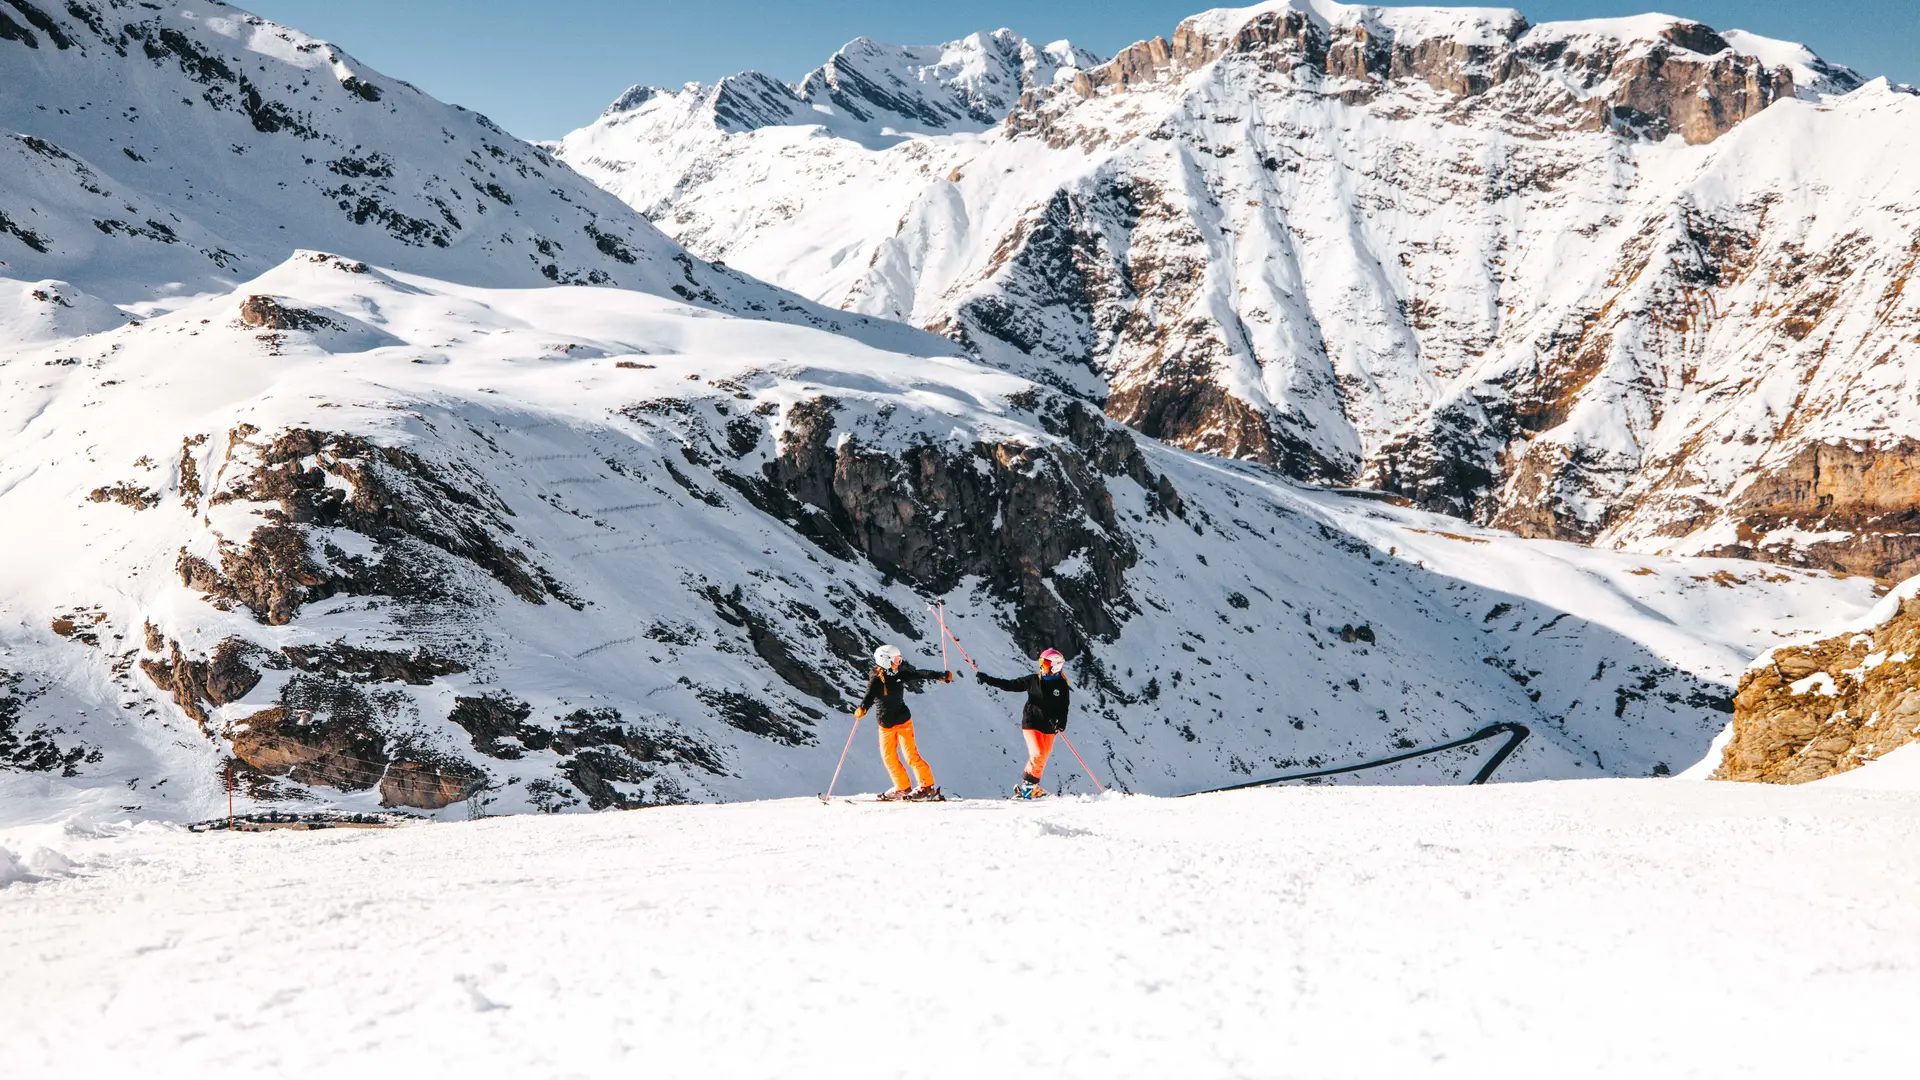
(1043, 719)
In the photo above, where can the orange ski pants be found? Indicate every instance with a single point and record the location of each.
(896, 742)
(1039, 747)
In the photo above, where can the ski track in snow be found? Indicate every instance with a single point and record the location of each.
(1587, 928)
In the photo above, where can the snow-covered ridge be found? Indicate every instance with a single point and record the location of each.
(1495, 27)
(1483, 26)
(872, 90)
(1468, 52)
(156, 151)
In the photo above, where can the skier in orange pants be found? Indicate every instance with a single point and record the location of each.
(887, 697)
(1043, 719)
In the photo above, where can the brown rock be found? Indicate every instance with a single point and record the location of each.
(425, 787)
(1792, 725)
(221, 679)
(267, 313)
(132, 495)
(1870, 491)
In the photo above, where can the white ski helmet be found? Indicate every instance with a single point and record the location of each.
(886, 656)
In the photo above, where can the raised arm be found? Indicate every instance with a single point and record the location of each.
(1010, 685)
(913, 674)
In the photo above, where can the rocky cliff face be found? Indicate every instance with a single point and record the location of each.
(1812, 711)
(1572, 279)
(1650, 76)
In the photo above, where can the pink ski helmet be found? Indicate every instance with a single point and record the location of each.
(1051, 660)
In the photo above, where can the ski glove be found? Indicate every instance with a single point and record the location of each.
(980, 677)
(859, 714)
(949, 677)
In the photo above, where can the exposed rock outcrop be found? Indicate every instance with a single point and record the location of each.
(131, 495)
(1854, 508)
(417, 667)
(42, 747)
(226, 676)
(267, 313)
(412, 509)
(329, 734)
(598, 750)
(1811, 711)
(1010, 514)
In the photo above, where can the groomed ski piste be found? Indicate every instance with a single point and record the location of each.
(1598, 928)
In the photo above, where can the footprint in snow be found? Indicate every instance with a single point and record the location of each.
(1054, 828)
(479, 1001)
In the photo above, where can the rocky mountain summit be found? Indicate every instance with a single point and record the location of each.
(1631, 282)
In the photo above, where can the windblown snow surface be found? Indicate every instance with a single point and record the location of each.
(1575, 929)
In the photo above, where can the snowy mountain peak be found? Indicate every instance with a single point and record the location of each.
(1472, 25)
(195, 144)
(634, 97)
(1812, 75)
(870, 90)
(968, 84)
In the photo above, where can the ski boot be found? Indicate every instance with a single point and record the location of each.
(1029, 790)
(927, 793)
(896, 795)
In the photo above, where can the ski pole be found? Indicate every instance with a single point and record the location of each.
(843, 760)
(940, 613)
(957, 645)
(1083, 763)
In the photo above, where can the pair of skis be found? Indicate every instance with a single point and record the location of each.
(863, 800)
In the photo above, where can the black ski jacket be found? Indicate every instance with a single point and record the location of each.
(1047, 700)
(887, 693)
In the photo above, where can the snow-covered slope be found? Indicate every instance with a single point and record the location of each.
(1620, 928)
(588, 547)
(398, 523)
(153, 152)
(1627, 281)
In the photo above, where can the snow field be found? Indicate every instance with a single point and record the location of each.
(1605, 928)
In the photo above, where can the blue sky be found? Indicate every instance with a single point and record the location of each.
(542, 69)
